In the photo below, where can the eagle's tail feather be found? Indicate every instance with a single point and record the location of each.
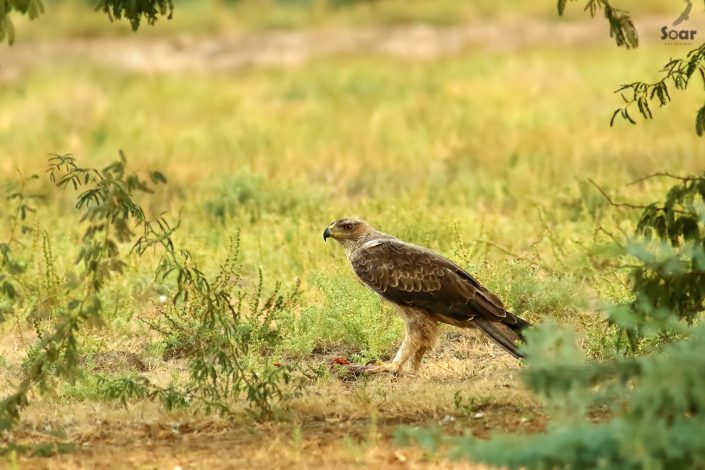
(519, 326)
(501, 334)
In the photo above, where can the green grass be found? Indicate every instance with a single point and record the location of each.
(491, 149)
(482, 155)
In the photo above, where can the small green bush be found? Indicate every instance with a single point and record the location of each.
(227, 335)
(109, 213)
(651, 410)
(647, 411)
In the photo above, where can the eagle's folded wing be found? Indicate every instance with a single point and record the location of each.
(412, 276)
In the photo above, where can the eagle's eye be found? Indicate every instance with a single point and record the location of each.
(347, 227)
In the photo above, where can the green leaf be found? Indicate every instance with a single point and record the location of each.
(9, 290)
(700, 121)
(157, 177)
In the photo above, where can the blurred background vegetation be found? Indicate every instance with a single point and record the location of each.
(74, 18)
(486, 146)
(481, 151)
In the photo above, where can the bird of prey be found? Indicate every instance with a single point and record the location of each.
(427, 289)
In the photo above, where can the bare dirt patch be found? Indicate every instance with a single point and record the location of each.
(321, 444)
(292, 48)
(332, 424)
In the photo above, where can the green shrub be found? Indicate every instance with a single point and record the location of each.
(669, 281)
(109, 213)
(647, 411)
(227, 334)
(650, 408)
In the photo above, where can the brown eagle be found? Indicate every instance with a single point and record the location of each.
(427, 288)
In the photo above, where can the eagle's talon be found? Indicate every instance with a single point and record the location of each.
(393, 369)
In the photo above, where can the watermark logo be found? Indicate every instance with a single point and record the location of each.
(675, 36)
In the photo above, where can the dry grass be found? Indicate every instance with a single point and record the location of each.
(333, 423)
(481, 152)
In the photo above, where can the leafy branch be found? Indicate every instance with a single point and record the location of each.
(668, 281)
(132, 10)
(108, 207)
(31, 8)
(626, 204)
(212, 324)
(678, 74)
(622, 27)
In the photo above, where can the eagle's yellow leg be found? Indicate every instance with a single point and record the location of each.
(418, 357)
(421, 335)
(406, 350)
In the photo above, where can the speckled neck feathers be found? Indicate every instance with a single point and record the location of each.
(371, 236)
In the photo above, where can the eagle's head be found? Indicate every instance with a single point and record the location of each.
(347, 231)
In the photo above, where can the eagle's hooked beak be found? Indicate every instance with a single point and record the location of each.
(327, 233)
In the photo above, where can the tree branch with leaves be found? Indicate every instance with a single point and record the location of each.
(135, 11)
(108, 207)
(677, 73)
